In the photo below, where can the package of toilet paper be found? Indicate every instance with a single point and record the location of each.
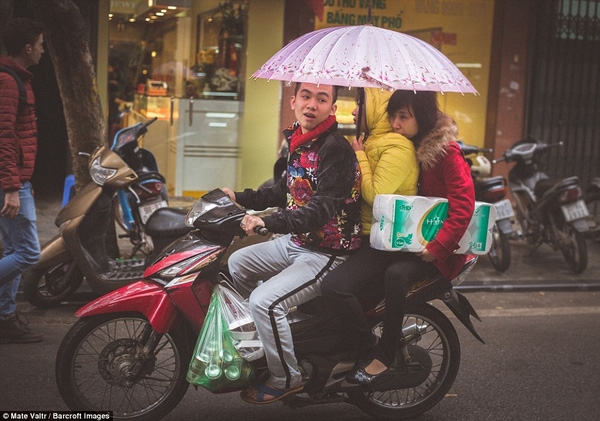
(408, 223)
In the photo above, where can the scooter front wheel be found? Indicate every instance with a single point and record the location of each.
(48, 287)
(436, 336)
(103, 364)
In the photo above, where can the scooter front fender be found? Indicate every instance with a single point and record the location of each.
(80, 204)
(145, 297)
(53, 253)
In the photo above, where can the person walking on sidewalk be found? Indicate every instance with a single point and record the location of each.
(23, 40)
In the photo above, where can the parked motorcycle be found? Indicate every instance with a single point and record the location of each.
(130, 350)
(138, 201)
(133, 205)
(592, 201)
(492, 190)
(549, 211)
(79, 250)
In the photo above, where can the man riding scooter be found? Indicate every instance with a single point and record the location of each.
(322, 223)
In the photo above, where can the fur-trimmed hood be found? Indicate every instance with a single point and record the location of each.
(432, 147)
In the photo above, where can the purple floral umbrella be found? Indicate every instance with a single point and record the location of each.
(365, 56)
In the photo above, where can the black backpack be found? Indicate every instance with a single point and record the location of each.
(20, 85)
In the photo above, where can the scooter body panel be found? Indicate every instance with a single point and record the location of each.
(53, 253)
(145, 297)
(80, 204)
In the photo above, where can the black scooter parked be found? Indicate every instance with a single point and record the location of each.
(549, 211)
(592, 200)
(148, 194)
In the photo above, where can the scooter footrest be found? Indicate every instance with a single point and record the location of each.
(125, 270)
(403, 376)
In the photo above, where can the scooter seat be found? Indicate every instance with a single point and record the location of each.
(496, 182)
(498, 179)
(167, 222)
(544, 186)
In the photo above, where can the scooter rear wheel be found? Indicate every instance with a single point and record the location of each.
(46, 288)
(500, 252)
(439, 339)
(572, 246)
(101, 366)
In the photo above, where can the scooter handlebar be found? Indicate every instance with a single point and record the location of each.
(517, 151)
(261, 231)
(470, 149)
(144, 127)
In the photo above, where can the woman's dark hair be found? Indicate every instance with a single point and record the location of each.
(19, 32)
(424, 106)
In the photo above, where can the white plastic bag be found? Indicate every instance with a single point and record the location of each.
(238, 319)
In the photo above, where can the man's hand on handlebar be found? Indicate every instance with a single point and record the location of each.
(250, 222)
(229, 192)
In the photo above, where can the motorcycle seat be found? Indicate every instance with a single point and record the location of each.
(544, 186)
(151, 175)
(167, 222)
(487, 183)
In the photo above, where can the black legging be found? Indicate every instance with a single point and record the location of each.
(363, 271)
(398, 279)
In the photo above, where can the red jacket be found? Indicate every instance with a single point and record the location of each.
(445, 173)
(18, 133)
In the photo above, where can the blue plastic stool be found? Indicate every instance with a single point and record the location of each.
(69, 189)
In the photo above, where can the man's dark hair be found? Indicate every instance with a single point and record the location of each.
(424, 107)
(335, 91)
(19, 32)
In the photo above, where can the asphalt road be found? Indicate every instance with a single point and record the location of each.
(539, 363)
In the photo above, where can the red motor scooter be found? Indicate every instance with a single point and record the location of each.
(130, 351)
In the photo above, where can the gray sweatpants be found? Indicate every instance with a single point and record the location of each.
(290, 274)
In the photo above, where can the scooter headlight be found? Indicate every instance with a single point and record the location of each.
(101, 174)
(200, 208)
(187, 266)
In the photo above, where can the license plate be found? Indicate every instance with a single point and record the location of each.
(504, 209)
(147, 210)
(574, 211)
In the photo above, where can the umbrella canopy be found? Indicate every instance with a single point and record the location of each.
(365, 56)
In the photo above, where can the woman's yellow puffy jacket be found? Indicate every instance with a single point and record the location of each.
(388, 163)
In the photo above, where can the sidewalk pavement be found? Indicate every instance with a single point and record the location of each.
(545, 269)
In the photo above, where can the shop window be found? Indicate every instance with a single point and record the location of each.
(219, 51)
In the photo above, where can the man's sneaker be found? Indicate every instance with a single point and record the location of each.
(15, 330)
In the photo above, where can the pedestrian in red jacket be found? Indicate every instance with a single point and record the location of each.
(23, 40)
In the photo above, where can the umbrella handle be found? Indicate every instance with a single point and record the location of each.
(361, 110)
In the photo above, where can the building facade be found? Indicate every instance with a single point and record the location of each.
(535, 64)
